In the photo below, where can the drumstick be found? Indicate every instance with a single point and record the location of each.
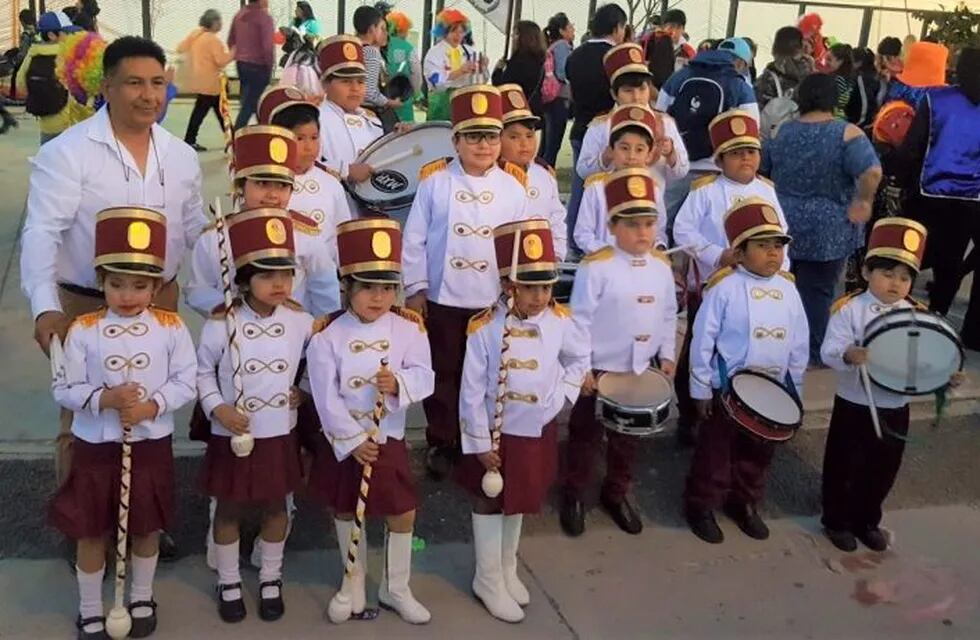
(398, 157)
(493, 483)
(866, 383)
(684, 248)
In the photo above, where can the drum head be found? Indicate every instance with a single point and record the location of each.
(767, 398)
(649, 389)
(912, 353)
(393, 186)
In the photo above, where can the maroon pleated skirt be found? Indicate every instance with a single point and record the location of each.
(337, 484)
(268, 474)
(530, 466)
(87, 504)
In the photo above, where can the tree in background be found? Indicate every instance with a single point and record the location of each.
(956, 29)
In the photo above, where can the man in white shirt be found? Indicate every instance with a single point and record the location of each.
(117, 158)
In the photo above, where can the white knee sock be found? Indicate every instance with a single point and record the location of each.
(90, 595)
(228, 573)
(272, 553)
(141, 588)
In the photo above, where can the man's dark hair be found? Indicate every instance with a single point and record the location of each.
(787, 43)
(890, 46)
(817, 92)
(631, 80)
(26, 17)
(366, 17)
(130, 47)
(638, 130)
(91, 7)
(607, 19)
(297, 115)
(675, 16)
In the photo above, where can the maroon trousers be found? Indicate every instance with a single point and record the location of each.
(729, 465)
(687, 415)
(859, 469)
(446, 327)
(584, 441)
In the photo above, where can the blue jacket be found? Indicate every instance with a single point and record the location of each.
(720, 67)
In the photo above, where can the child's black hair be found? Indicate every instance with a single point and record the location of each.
(885, 264)
(244, 275)
(634, 80)
(297, 115)
(638, 130)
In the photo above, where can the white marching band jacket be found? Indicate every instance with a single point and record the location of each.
(592, 225)
(318, 195)
(343, 136)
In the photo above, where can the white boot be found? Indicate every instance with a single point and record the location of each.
(508, 559)
(394, 592)
(256, 557)
(351, 598)
(488, 583)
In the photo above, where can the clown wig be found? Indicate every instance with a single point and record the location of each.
(446, 20)
(398, 24)
(79, 64)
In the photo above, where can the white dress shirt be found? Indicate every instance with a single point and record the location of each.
(546, 362)
(105, 350)
(591, 231)
(85, 170)
(845, 329)
(753, 323)
(270, 349)
(343, 136)
(343, 362)
(596, 141)
(700, 220)
(315, 284)
(627, 307)
(448, 243)
(318, 194)
(543, 201)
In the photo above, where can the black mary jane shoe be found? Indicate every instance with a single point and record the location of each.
(81, 623)
(624, 514)
(231, 611)
(143, 627)
(572, 515)
(748, 520)
(271, 609)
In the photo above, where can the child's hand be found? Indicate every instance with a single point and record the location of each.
(387, 382)
(588, 385)
(704, 408)
(120, 397)
(856, 356)
(231, 419)
(490, 460)
(131, 416)
(957, 379)
(296, 397)
(359, 172)
(366, 452)
(668, 367)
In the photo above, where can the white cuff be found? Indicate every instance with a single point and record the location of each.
(45, 298)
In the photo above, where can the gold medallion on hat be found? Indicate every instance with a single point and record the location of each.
(738, 126)
(479, 104)
(350, 51)
(533, 246)
(637, 187)
(275, 231)
(293, 94)
(769, 215)
(516, 99)
(911, 240)
(278, 150)
(381, 244)
(138, 235)
(635, 55)
(637, 114)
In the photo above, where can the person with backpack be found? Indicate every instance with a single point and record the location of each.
(46, 98)
(556, 97)
(776, 87)
(694, 96)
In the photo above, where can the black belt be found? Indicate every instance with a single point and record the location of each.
(82, 291)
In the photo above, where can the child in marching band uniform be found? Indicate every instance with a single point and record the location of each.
(700, 226)
(271, 336)
(519, 146)
(624, 301)
(449, 260)
(128, 366)
(859, 468)
(317, 192)
(751, 318)
(631, 145)
(524, 357)
(372, 349)
(347, 127)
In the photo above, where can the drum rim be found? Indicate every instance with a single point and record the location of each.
(394, 135)
(782, 426)
(940, 326)
(658, 372)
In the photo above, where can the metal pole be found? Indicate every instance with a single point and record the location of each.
(341, 10)
(147, 27)
(508, 28)
(801, 10)
(732, 19)
(426, 37)
(41, 8)
(866, 16)
(588, 23)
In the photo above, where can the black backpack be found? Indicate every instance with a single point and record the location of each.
(45, 95)
(698, 101)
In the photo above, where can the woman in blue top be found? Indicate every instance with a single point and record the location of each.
(560, 34)
(826, 174)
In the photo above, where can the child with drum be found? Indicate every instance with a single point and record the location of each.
(317, 192)
(129, 367)
(632, 135)
(519, 146)
(860, 465)
(751, 319)
(367, 366)
(449, 261)
(346, 127)
(700, 227)
(624, 302)
(524, 357)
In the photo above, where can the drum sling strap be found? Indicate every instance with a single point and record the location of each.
(725, 381)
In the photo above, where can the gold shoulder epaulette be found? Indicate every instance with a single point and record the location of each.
(321, 323)
(431, 168)
(293, 304)
(326, 169)
(550, 169)
(304, 223)
(410, 315)
(599, 255)
(844, 300)
(480, 320)
(789, 276)
(602, 117)
(660, 255)
(166, 318)
(767, 181)
(718, 276)
(598, 176)
(90, 319)
(703, 181)
(560, 310)
(918, 305)
(519, 174)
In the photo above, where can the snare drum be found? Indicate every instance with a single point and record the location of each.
(635, 405)
(762, 406)
(392, 187)
(566, 278)
(912, 352)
